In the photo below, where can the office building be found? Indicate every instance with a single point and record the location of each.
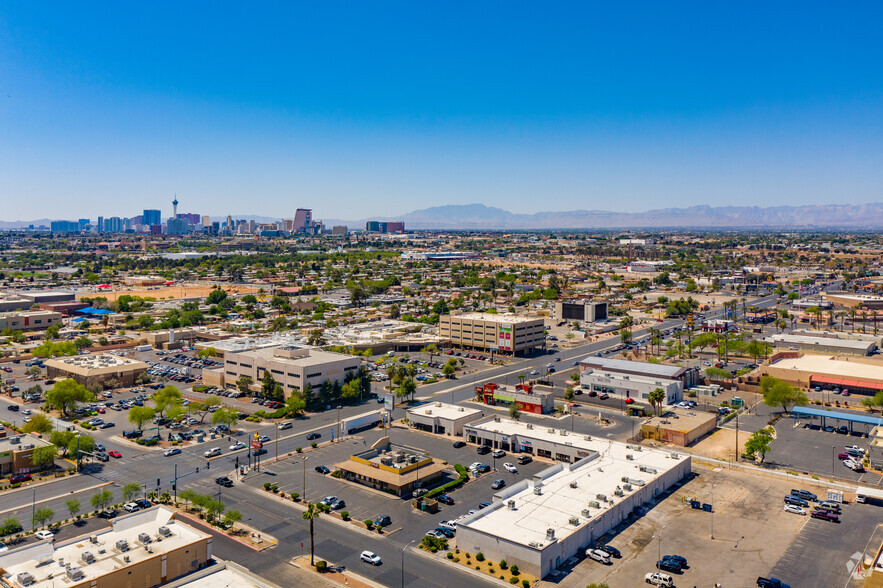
(16, 451)
(687, 376)
(503, 333)
(177, 226)
(822, 344)
(151, 217)
(303, 220)
(139, 550)
(29, 320)
(206, 221)
(99, 226)
(541, 522)
(636, 387)
(384, 227)
(339, 230)
(292, 366)
(581, 310)
(96, 370)
(442, 418)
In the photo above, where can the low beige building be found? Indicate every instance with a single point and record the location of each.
(679, 427)
(141, 550)
(292, 366)
(96, 370)
(29, 320)
(16, 451)
(503, 333)
(863, 375)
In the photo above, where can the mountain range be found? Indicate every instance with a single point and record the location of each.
(480, 216)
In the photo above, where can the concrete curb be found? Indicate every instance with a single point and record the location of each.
(477, 574)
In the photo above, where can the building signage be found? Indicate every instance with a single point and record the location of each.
(505, 337)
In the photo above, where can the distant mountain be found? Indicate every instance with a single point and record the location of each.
(479, 216)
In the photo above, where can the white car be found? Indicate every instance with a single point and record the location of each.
(371, 557)
(212, 452)
(26, 411)
(659, 579)
(598, 555)
(510, 468)
(131, 507)
(793, 508)
(284, 426)
(171, 451)
(449, 525)
(44, 535)
(237, 446)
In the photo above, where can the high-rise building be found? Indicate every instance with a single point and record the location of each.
(175, 208)
(206, 221)
(83, 223)
(151, 217)
(303, 220)
(100, 225)
(177, 226)
(339, 230)
(64, 226)
(395, 227)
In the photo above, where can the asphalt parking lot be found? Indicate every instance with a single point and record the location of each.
(363, 503)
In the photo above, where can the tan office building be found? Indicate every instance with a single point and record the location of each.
(504, 333)
(96, 370)
(292, 366)
(29, 320)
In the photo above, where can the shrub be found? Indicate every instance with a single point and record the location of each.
(479, 556)
(314, 444)
(335, 474)
(525, 583)
(275, 487)
(344, 514)
(369, 523)
(514, 570)
(267, 486)
(450, 555)
(321, 566)
(512, 580)
(503, 564)
(299, 449)
(468, 556)
(456, 560)
(295, 495)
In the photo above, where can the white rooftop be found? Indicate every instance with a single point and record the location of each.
(831, 366)
(94, 362)
(48, 563)
(444, 410)
(784, 338)
(494, 318)
(567, 489)
(249, 343)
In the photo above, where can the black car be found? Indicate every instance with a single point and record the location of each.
(107, 514)
(614, 552)
(482, 505)
(312, 436)
(12, 407)
(483, 450)
(132, 434)
(681, 561)
(143, 503)
(323, 470)
(383, 521)
(446, 532)
(668, 565)
(445, 499)
(224, 481)
(260, 451)
(498, 484)
(459, 444)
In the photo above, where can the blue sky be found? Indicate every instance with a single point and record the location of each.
(361, 109)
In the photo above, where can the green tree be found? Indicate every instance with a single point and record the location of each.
(231, 517)
(759, 442)
(311, 514)
(215, 297)
(449, 370)
(205, 406)
(101, 499)
(568, 394)
(166, 398)
(61, 440)
(225, 416)
(44, 457)
(514, 411)
(82, 342)
(295, 404)
(130, 491)
(244, 383)
(138, 415)
(73, 506)
(42, 516)
(39, 423)
(9, 526)
(777, 392)
(431, 349)
(716, 373)
(656, 397)
(407, 388)
(66, 394)
(876, 401)
(83, 443)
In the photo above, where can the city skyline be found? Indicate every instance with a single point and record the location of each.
(357, 110)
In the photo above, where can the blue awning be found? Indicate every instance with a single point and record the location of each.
(843, 416)
(93, 311)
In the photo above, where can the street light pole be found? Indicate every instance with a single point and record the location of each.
(305, 476)
(659, 545)
(403, 560)
(338, 423)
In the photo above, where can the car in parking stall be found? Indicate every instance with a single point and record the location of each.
(659, 579)
(598, 555)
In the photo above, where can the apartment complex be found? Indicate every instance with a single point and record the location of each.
(292, 366)
(504, 333)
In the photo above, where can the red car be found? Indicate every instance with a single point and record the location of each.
(101, 410)
(629, 400)
(19, 478)
(115, 454)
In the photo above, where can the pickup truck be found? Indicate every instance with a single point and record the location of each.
(771, 583)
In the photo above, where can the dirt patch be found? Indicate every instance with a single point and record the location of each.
(721, 445)
(170, 292)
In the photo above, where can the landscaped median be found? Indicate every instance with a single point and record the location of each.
(476, 561)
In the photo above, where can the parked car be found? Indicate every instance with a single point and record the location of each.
(43, 535)
(659, 579)
(20, 478)
(107, 514)
(338, 504)
(499, 453)
(825, 515)
(115, 454)
(771, 583)
(611, 551)
(483, 450)
(598, 555)
(382, 521)
(524, 458)
(131, 507)
(498, 484)
(681, 561)
(322, 470)
(805, 494)
(796, 501)
(445, 499)
(794, 509)
(510, 468)
(459, 444)
(668, 565)
(143, 503)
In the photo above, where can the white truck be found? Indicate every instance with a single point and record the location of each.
(361, 421)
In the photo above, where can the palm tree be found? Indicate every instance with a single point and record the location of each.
(311, 514)
(655, 399)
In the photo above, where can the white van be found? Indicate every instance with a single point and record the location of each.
(284, 426)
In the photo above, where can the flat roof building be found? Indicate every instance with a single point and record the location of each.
(821, 344)
(679, 427)
(16, 451)
(540, 522)
(504, 333)
(29, 320)
(442, 418)
(393, 468)
(581, 310)
(524, 396)
(96, 370)
(849, 299)
(140, 550)
(687, 376)
(857, 374)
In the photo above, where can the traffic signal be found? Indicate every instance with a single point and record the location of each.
(174, 487)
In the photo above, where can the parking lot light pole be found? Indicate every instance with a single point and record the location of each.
(712, 511)
(305, 476)
(833, 460)
(338, 423)
(403, 560)
(659, 545)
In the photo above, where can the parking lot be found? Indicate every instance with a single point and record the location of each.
(752, 536)
(363, 503)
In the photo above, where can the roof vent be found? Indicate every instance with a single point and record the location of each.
(537, 491)
(586, 513)
(88, 557)
(530, 425)
(550, 534)
(510, 505)
(122, 545)
(573, 484)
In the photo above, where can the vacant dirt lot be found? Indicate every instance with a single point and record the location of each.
(169, 292)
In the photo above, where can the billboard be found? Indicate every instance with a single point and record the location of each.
(389, 402)
(505, 337)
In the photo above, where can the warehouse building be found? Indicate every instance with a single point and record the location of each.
(141, 550)
(679, 427)
(541, 522)
(96, 370)
(630, 385)
(442, 418)
(504, 333)
(688, 376)
(821, 344)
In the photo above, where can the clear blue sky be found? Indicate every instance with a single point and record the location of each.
(379, 108)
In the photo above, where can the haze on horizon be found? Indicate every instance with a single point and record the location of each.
(359, 109)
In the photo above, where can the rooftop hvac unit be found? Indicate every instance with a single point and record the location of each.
(594, 504)
(438, 404)
(413, 459)
(587, 437)
(496, 419)
(93, 539)
(143, 538)
(87, 557)
(675, 456)
(629, 456)
(601, 497)
(537, 491)
(74, 574)
(428, 411)
(647, 469)
(386, 460)
(530, 425)
(569, 443)
(165, 531)
(618, 491)
(400, 458)
(461, 409)
(627, 487)
(550, 534)
(573, 484)
(25, 579)
(550, 430)
(531, 544)
(573, 521)
(125, 559)
(510, 504)
(563, 432)
(122, 545)
(586, 513)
